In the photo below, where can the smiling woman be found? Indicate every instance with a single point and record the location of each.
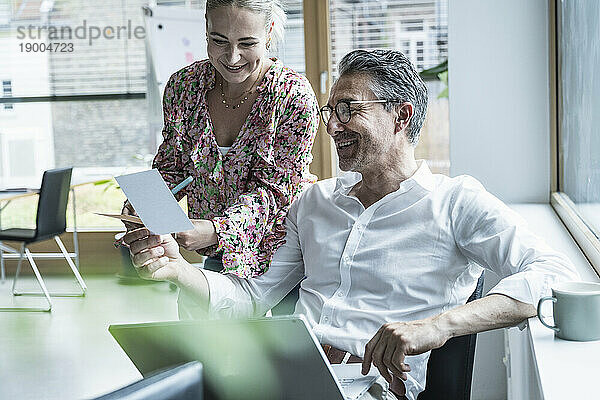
(242, 125)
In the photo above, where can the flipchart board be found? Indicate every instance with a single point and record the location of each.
(175, 37)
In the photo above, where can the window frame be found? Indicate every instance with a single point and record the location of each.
(317, 36)
(560, 201)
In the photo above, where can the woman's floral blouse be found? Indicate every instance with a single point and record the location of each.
(247, 192)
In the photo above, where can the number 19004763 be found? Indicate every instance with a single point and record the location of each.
(43, 47)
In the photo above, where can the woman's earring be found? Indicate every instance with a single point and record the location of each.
(269, 34)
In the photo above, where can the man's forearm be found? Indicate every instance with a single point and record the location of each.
(491, 312)
(387, 349)
(193, 282)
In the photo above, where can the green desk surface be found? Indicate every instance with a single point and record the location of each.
(68, 353)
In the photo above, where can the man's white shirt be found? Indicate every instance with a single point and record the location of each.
(414, 253)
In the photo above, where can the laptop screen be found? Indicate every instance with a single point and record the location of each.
(265, 358)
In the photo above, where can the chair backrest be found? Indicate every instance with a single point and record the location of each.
(179, 383)
(52, 206)
(450, 368)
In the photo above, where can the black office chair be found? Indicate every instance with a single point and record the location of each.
(50, 222)
(179, 383)
(450, 368)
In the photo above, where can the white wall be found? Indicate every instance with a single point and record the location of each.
(499, 123)
(499, 107)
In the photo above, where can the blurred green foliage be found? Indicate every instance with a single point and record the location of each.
(440, 72)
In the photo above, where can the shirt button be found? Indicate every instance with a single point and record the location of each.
(346, 258)
(325, 319)
(340, 294)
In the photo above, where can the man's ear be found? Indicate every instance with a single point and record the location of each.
(404, 113)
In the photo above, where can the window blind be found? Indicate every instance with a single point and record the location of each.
(62, 47)
(417, 28)
(69, 48)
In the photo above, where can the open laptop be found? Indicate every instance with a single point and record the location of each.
(263, 358)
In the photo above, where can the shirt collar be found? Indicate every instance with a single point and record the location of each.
(422, 177)
(271, 76)
(208, 75)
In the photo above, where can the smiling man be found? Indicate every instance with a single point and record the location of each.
(388, 252)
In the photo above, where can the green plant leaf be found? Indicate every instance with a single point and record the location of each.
(443, 76)
(433, 72)
(443, 94)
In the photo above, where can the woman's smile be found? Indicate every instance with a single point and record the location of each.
(233, 68)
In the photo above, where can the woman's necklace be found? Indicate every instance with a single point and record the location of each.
(244, 94)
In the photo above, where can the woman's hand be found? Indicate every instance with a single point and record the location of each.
(203, 235)
(154, 257)
(128, 210)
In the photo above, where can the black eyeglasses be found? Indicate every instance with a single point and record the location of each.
(342, 109)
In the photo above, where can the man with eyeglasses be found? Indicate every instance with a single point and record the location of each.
(388, 252)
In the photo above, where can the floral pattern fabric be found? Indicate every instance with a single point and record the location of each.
(247, 192)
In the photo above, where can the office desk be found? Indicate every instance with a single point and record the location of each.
(69, 354)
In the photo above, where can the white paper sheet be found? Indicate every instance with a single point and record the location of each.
(154, 203)
(353, 382)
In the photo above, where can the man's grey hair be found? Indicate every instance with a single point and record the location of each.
(394, 78)
(270, 9)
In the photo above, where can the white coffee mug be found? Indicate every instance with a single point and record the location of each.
(576, 310)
